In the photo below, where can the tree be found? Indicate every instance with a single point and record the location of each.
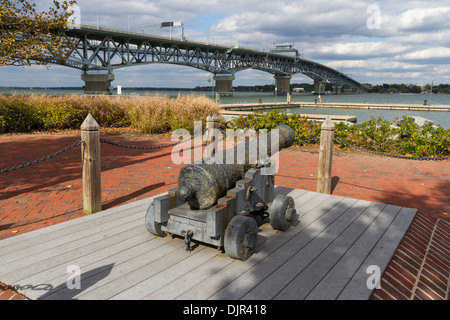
(28, 36)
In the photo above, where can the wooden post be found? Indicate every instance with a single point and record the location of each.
(212, 124)
(325, 157)
(92, 197)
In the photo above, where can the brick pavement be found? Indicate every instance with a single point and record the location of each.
(48, 193)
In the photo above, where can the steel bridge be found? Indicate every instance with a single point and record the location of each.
(106, 49)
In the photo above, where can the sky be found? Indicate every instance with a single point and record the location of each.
(373, 42)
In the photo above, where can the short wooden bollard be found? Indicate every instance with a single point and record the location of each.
(212, 125)
(92, 197)
(325, 157)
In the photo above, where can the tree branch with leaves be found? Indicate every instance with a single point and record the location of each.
(29, 36)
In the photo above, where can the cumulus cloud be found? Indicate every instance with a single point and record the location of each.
(437, 55)
(425, 19)
(349, 51)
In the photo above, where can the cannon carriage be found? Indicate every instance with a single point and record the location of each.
(222, 204)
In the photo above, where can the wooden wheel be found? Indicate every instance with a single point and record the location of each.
(152, 226)
(240, 237)
(282, 212)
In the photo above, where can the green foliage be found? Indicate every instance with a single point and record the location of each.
(376, 134)
(18, 117)
(59, 117)
(303, 128)
(425, 141)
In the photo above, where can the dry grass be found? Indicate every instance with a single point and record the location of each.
(151, 114)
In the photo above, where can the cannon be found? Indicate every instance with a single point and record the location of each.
(220, 204)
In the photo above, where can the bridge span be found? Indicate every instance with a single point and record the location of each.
(103, 49)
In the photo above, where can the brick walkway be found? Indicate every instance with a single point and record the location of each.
(48, 193)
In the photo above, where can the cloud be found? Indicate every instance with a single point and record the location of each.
(351, 51)
(425, 19)
(431, 54)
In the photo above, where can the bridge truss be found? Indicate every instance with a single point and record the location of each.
(108, 49)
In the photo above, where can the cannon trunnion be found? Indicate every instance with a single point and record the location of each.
(229, 217)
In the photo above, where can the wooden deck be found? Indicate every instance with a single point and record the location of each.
(325, 255)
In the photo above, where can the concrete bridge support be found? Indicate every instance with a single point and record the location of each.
(319, 87)
(224, 84)
(97, 83)
(337, 89)
(283, 83)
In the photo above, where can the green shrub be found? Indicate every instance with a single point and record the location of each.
(376, 134)
(303, 128)
(60, 117)
(425, 141)
(18, 117)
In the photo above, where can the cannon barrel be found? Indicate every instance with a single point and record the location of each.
(201, 185)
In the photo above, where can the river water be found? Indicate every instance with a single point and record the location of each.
(441, 118)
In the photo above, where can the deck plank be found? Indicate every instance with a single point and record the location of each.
(183, 267)
(72, 240)
(311, 210)
(95, 250)
(324, 255)
(217, 281)
(316, 267)
(335, 280)
(309, 244)
(356, 288)
(52, 232)
(59, 270)
(154, 256)
(246, 282)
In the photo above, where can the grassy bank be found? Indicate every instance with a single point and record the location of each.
(160, 114)
(151, 114)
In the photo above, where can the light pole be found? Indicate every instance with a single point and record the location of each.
(431, 91)
(212, 86)
(320, 84)
(276, 89)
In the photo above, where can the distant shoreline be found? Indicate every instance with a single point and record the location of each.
(249, 89)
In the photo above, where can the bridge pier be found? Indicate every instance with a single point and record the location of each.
(337, 89)
(319, 87)
(97, 83)
(283, 83)
(224, 84)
